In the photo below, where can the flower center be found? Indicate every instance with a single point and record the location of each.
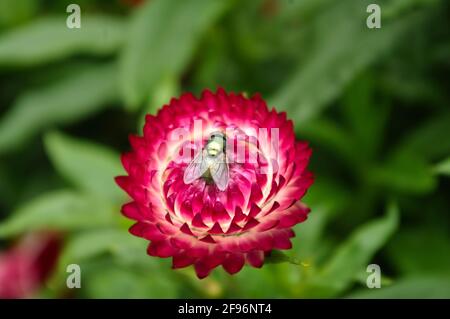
(201, 201)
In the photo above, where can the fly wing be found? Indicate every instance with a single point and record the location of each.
(196, 168)
(219, 172)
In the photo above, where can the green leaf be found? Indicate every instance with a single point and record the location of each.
(419, 250)
(326, 199)
(432, 287)
(330, 135)
(116, 282)
(361, 278)
(310, 244)
(88, 166)
(75, 96)
(60, 210)
(49, 39)
(405, 172)
(427, 140)
(115, 265)
(353, 256)
(402, 6)
(164, 35)
(341, 52)
(277, 257)
(6, 189)
(360, 104)
(443, 167)
(90, 244)
(14, 12)
(161, 95)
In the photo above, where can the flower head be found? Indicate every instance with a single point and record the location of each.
(25, 267)
(216, 181)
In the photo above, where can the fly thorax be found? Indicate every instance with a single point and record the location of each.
(214, 148)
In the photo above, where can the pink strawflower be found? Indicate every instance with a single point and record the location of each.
(204, 213)
(25, 267)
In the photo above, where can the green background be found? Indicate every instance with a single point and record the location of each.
(373, 103)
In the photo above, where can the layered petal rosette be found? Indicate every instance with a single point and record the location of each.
(207, 204)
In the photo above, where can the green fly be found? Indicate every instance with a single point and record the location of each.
(210, 163)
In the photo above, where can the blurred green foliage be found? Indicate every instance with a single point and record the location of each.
(374, 104)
